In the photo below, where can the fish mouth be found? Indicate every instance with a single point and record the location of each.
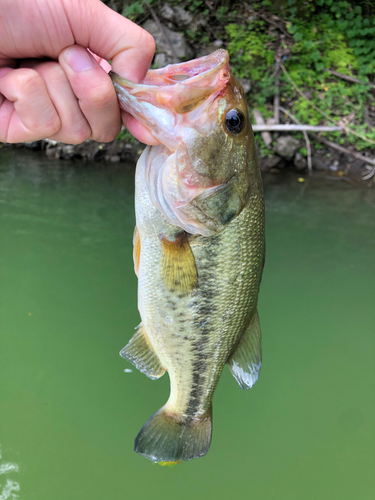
(180, 87)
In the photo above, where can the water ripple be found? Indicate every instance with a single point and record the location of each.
(11, 487)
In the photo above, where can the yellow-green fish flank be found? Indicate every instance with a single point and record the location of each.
(199, 247)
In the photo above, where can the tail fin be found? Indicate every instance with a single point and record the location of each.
(167, 437)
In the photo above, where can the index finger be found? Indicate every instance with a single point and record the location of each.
(113, 37)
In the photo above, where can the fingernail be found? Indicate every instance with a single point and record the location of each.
(79, 59)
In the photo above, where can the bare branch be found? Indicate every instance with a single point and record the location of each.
(308, 145)
(357, 156)
(276, 99)
(294, 128)
(348, 78)
(266, 136)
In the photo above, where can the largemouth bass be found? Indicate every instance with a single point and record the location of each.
(198, 246)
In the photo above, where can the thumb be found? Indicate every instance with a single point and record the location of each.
(111, 36)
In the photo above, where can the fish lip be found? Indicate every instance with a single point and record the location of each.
(213, 62)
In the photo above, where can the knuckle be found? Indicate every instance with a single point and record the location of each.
(29, 79)
(81, 135)
(53, 71)
(108, 134)
(149, 43)
(101, 95)
(51, 128)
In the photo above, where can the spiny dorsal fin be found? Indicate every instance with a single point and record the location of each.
(141, 354)
(246, 360)
(136, 250)
(179, 270)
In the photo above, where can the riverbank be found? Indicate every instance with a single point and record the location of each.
(328, 164)
(298, 63)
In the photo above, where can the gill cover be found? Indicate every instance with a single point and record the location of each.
(199, 177)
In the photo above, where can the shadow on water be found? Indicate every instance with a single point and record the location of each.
(71, 407)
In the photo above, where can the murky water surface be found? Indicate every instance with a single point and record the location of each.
(70, 407)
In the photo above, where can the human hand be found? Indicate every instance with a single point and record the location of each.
(52, 86)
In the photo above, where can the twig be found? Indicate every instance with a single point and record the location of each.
(276, 99)
(368, 120)
(162, 29)
(283, 30)
(266, 136)
(357, 156)
(348, 130)
(308, 145)
(294, 128)
(348, 78)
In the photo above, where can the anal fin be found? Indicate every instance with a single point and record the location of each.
(140, 353)
(246, 360)
(179, 270)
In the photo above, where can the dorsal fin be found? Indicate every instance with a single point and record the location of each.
(246, 360)
(179, 270)
(141, 354)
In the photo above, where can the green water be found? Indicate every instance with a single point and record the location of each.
(68, 410)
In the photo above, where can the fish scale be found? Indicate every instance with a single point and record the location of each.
(229, 269)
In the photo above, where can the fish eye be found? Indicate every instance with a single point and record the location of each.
(234, 121)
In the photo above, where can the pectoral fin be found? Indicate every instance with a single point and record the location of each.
(141, 354)
(179, 270)
(246, 360)
(136, 250)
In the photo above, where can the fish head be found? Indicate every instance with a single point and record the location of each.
(200, 176)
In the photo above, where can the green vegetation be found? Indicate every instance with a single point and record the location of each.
(308, 38)
(126, 136)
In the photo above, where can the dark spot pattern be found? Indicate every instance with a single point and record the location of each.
(205, 307)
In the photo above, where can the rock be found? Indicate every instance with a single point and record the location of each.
(319, 162)
(178, 15)
(205, 51)
(357, 166)
(198, 23)
(286, 146)
(300, 162)
(114, 159)
(33, 145)
(167, 12)
(252, 18)
(334, 166)
(181, 48)
(182, 17)
(162, 60)
(246, 85)
(67, 151)
(271, 162)
(218, 43)
(51, 142)
(53, 152)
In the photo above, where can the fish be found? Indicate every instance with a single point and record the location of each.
(198, 246)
